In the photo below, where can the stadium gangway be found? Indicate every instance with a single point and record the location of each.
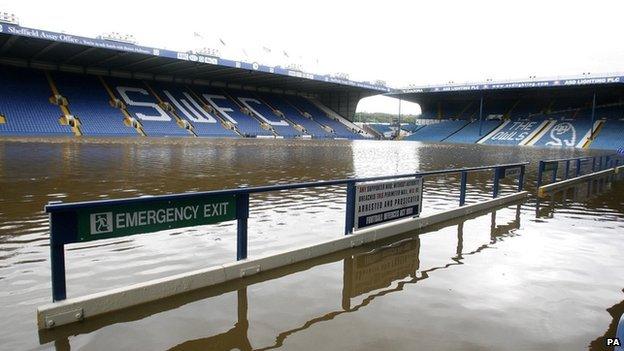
(585, 167)
(69, 222)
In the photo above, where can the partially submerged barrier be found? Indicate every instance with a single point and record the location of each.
(371, 202)
(576, 170)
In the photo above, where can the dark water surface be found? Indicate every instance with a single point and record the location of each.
(524, 277)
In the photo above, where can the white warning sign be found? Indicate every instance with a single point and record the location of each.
(381, 202)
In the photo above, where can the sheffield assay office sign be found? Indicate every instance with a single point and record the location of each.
(381, 202)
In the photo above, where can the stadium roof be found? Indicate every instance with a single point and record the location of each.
(582, 84)
(66, 51)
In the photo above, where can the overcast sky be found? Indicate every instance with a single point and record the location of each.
(401, 42)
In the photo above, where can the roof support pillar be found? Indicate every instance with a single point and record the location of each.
(593, 117)
(398, 133)
(481, 116)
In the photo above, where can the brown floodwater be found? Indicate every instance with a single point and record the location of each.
(533, 276)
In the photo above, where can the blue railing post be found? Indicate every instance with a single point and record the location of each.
(540, 170)
(594, 164)
(521, 179)
(462, 189)
(57, 261)
(578, 167)
(567, 169)
(350, 212)
(242, 214)
(554, 174)
(496, 181)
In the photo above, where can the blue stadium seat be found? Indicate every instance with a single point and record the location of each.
(290, 112)
(24, 95)
(525, 107)
(247, 125)
(438, 131)
(89, 101)
(609, 112)
(340, 129)
(470, 133)
(610, 137)
(565, 133)
(514, 132)
(142, 105)
(380, 128)
(411, 128)
(265, 112)
(189, 107)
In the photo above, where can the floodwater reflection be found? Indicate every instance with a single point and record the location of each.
(369, 273)
(466, 285)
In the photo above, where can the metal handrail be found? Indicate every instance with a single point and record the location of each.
(57, 206)
(599, 163)
(63, 216)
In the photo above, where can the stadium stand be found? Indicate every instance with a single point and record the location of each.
(381, 128)
(523, 108)
(564, 133)
(340, 130)
(265, 113)
(437, 132)
(470, 133)
(131, 75)
(143, 106)
(25, 105)
(514, 132)
(294, 115)
(611, 136)
(193, 110)
(221, 101)
(89, 101)
(411, 128)
(159, 109)
(334, 115)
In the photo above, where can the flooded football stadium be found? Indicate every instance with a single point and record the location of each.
(534, 275)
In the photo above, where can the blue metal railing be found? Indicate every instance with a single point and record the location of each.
(598, 163)
(61, 213)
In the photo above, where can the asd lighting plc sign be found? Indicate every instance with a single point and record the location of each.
(121, 220)
(381, 202)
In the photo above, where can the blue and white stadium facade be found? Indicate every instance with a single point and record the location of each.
(61, 84)
(580, 112)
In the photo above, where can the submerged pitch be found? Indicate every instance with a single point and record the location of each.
(500, 284)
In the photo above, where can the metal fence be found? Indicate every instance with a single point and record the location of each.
(65, 217)
(581, 166)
